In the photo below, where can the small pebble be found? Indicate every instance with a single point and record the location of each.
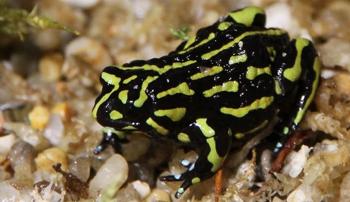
(142, 188)
(64, 110)
(90, 51)
(158, 195)
(6, 143)
(344, 189)
(21, 158)
(49, 157)
(39, 117)
(54, 130)
(50, 67)
(110, 177)
(80, 167)
(82, 3)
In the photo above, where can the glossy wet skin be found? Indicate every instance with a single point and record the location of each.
(216, 88)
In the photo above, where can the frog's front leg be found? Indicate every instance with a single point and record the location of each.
(111, 137)
(297, 68)
(214, 144)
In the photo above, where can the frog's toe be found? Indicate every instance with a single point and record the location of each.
(185, 185)
(187, 164)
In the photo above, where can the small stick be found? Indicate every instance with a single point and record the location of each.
(218, 185)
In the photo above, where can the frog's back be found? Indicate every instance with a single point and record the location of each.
(227, 78)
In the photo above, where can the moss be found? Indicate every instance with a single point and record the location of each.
(19, 22)
(180, 33)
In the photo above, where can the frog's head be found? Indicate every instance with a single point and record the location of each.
(115, 106)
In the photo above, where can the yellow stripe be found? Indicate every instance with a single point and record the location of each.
(205, 128)
(209, 72)
(160, 129)
(253, 72)
(123, 96)
(302, 111)
(195, 180)
(237, 59)
(175, 114)
(190, 41)
(111, 79)
(246, 16)
(143, 96)
(183, 137)
(293, 73)
(224, 26)
(278, 88)
(210, 37)
(261, 103)
(114, 115)
(273, 32)
(183, 88)
(128, 80)
(160, 70)
(230, 86)
(129, 128)
(213, 157)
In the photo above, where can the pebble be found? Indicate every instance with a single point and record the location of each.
(54, 130)
(39, 117)
(90, 51)
(295, 161)
(84, 4)
(49, 157)
(110, 177)
(50, 67)
(28, 134)
(80, 167)
(64, 110)
(335, 52)
(158, 195)
(6, 143)
(142, 188)
(21, 158)
(344, 189)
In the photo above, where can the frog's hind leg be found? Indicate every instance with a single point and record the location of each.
(297, 71)
(214, 143)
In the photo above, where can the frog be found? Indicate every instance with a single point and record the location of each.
(218, 88)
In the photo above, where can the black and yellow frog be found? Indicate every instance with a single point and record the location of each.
(219, 87)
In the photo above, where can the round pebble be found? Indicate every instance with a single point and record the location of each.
(90, 51)
(49, 157)
(50, 67)
(158, 195)
(6, 143)
(21, 158)
(142, 188)
(39, 117)
(80, 167)
(110, 177)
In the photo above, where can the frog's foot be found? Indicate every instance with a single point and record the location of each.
(110, 139)
(209, 161)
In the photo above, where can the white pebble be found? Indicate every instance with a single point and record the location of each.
(112, 175)
(296, 161)
(327, 74)
(158, 195)
(54, 131)
(88, 50)
(82, 3)
(142, 188)
(6, 143)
